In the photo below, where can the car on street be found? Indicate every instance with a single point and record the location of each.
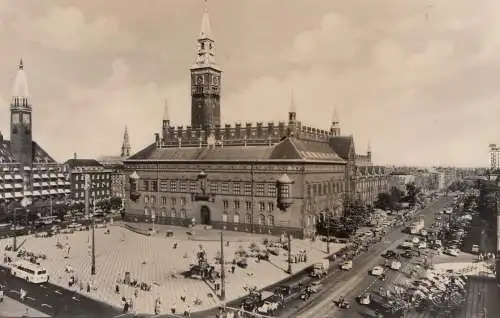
(389, 254)
(347, 265)
(422, 245)
(395, 265)
(377, 271)
(475, 249)
(452, 252)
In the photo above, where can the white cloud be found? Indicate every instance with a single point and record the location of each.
(100, 114)
(66, 28)
(413, 86)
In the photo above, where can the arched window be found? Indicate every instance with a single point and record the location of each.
(164, 212)
(262, 219)
(270, 220)
(183, 213)
(146, 199)
(146, 212)
(248, 218)
(163, 200)
(224, 217)
(173, 213)
(153, 200)
(236, 218)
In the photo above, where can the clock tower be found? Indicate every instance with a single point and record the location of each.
(205, 81)
(21, 141)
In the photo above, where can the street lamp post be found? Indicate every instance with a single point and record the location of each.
(86, 188)
(222, 270)
(289, 253)
(24, 204)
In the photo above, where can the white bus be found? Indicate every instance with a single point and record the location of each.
(32, 273)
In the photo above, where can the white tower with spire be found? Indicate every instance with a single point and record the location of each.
(205, 80)
(126, 144)
(21, 140)
(335, 127)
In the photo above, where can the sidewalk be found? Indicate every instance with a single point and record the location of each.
(13, 308)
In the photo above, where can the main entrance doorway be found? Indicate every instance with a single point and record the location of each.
(205, 215)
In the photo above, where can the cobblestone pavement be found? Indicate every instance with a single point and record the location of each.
(154, 261)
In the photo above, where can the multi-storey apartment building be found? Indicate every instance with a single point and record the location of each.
(27, 171)
(100, 179)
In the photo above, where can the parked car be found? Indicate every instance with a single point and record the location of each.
(377, 271)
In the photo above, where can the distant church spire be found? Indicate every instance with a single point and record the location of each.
(292, 113)
(335, 127)
(205, 56)
(20, 95)
(126, 144)
(166, 119)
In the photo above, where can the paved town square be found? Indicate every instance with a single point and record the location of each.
(154, 261)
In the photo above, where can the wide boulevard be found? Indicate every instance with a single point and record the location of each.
(352, 283)
(53, 300)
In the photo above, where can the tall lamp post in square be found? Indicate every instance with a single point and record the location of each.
(87, 186)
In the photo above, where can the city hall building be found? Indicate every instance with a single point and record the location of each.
(262, 177)
(27, 171)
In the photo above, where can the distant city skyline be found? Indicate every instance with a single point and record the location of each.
(415, 79)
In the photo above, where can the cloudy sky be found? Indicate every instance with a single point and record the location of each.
(418, 79)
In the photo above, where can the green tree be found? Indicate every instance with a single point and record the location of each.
(396, 195)
(116, 203)
(412, 192)
(384, 201)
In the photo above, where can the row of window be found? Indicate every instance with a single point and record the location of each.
(261, 219)
(261, 189)
(81, 194)
(325, 188)
(236, 204)
(93, 176)
(93, 185)
(151, 200)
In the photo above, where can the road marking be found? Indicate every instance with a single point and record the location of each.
(74, 298)
(57, 292)
(46, 305)
(14, 291)
(30, 298)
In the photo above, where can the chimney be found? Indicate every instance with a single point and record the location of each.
(74, 155)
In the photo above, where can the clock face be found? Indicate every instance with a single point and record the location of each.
(26, 118)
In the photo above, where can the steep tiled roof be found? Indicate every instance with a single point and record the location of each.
(315, 150)
(82, 163)
(39, 154)
(342, 145)
(287, 149)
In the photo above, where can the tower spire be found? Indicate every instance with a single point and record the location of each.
(206, 31)
(335, 127)
(126, 144)
(166, 119)
(206, 45)
(293, 106)
(20, 94)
